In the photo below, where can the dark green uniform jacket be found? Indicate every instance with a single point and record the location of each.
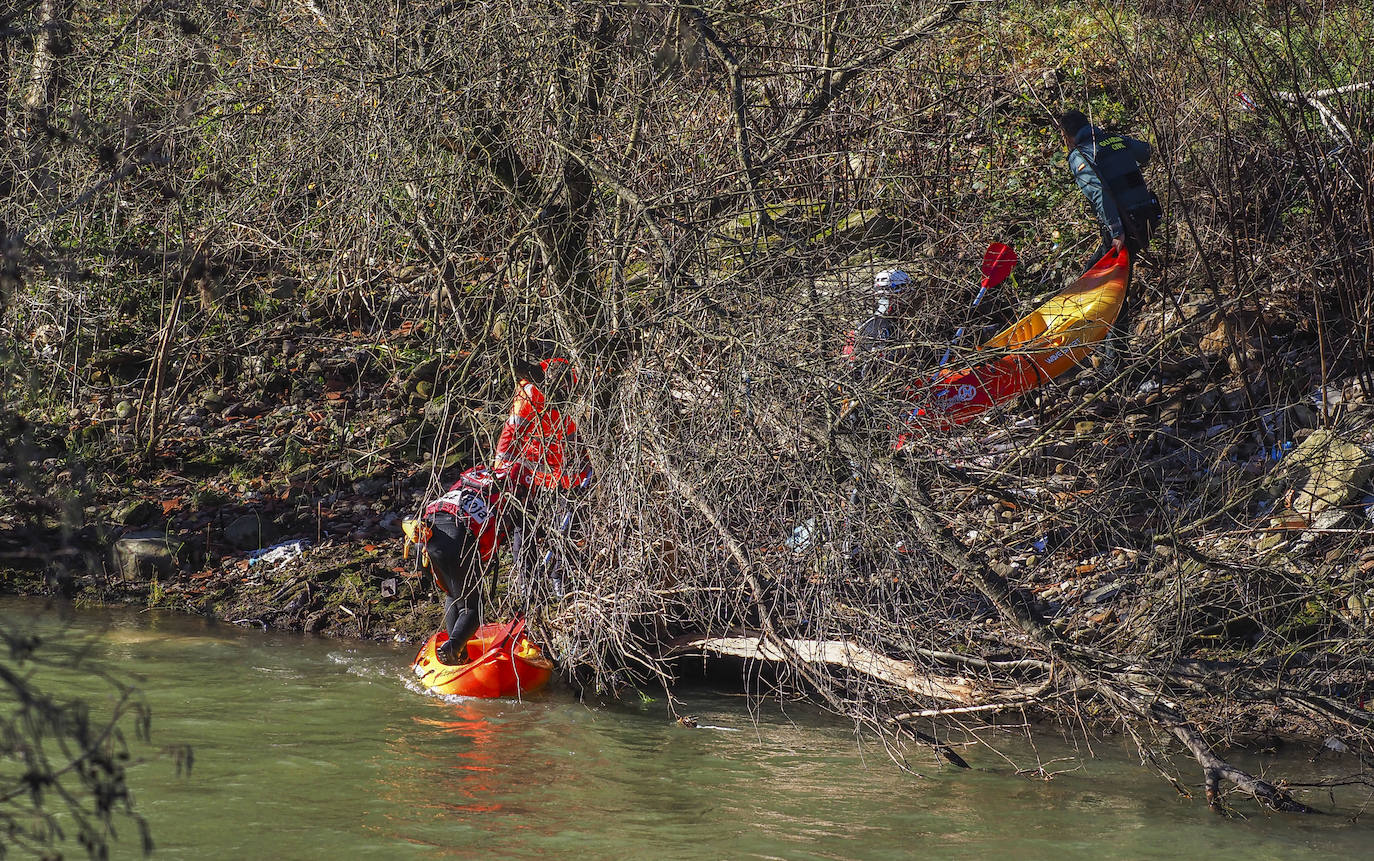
(1107, 168)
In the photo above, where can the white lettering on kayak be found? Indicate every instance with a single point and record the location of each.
(948, 397)
(1062, 351)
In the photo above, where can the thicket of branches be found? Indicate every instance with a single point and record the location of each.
(690, 201)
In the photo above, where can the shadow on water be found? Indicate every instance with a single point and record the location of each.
(309, 748)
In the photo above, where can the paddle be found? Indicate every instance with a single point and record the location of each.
(998, 261)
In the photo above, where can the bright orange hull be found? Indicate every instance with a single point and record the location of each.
(502, 662)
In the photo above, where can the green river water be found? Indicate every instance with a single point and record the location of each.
(311, 748)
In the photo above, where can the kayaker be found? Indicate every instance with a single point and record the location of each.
(460, 535)
(1107, 169)
(462, 531)
(877, 333)
(537, 448)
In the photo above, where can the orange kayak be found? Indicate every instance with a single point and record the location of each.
(1032, 351)
(502, 662)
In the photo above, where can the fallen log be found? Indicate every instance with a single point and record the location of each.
(903, 675)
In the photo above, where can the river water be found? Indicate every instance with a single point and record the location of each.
(311, 748)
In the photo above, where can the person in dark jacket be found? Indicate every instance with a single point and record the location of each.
(1107, 167)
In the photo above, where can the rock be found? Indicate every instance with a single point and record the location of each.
(123, 410)
(425, 372)
(140, 555)
(1325, 471)
(135, 513)
(1355, 605)
(1235, 336)
(1302, 416)
(1084, 429)
(435, 411)
(251, 531)
(370, 487)
(1331, 518)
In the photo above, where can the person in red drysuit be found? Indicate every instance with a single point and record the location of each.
(538, 448)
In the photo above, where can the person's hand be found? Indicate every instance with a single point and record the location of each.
(1118, 244)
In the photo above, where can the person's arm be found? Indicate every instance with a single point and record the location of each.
(1091, 186)
(1139, 150)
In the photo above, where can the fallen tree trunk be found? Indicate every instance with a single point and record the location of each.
(851, 656)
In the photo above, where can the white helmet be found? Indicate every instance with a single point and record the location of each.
(890, 281)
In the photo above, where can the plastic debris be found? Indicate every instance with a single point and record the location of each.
(1332, 395)
(800, 539)
(279, 553)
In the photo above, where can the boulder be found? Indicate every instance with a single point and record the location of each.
(134, 513)
(251, 532)
(141, 555)
(1324, 472)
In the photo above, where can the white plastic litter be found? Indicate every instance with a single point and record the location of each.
(279, 553)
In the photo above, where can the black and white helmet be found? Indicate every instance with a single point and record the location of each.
(890, 281)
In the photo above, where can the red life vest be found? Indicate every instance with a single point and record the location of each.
(475, 501)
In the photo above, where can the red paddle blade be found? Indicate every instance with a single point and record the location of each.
(998, 262)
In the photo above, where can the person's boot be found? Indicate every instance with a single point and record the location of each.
(451, 654)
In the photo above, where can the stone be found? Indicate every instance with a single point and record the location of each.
(123, 410)
(251, 532)
(1302, 416)
(1235, 335)
(370, 487)
(1330, 518)
(1325, 471)
(141, 555)
(134, 513)
(1356, 606)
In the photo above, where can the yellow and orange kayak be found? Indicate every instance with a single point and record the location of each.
(1032, 351)
(502, 662)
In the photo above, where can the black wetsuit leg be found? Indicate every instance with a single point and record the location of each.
(457, 566)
